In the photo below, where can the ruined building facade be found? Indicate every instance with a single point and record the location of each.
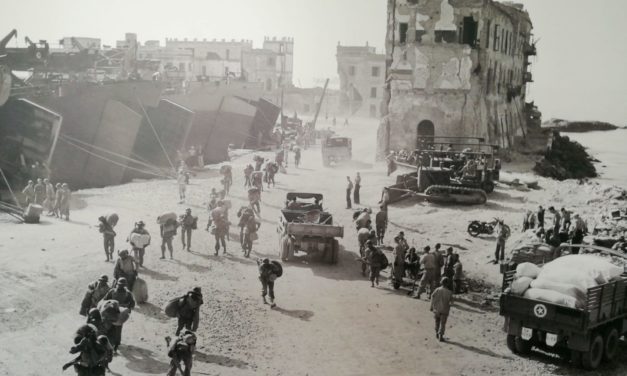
(455, 68)
(273, 65)
(362, 78)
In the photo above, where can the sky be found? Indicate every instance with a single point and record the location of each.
(580, 72)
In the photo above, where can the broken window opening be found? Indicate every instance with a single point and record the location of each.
(402, 32)
(419, 34)
(469, 31)
(447, 36)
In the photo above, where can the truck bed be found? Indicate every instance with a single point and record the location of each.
(290, 219)
(604, 303)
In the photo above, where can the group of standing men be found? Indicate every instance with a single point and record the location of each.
(54, 199)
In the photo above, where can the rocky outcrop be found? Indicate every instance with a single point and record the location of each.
(566, 159)
(578, 126)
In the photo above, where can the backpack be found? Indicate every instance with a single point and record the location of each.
(277, 267)
(171, 308)
(384, 261)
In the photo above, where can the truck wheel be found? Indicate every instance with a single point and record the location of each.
(592, 358)
(523, 347)
(335, 251)
(511, 343)
(610, 346)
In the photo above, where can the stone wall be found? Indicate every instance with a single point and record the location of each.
(448, 74)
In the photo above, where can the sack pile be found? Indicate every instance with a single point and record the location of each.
(565, 280)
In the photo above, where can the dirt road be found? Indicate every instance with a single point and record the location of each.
(328, 320)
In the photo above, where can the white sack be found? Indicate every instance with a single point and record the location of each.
(551, 297)
(527, 269)
(565, 288)
(520, 285)
(582, 266)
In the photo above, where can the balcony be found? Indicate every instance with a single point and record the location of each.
(530, 50)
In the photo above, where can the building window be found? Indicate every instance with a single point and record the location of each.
(269, 84)
(351, 70)
(496, 38)
(502, 40)
(271, 61)
(487, 36)
(228, 54)
(506, 40)
(373, 92)
(402, 32)
(281, 48)
(189, 66)
(182, 67)
(375, 71)
(373, 110)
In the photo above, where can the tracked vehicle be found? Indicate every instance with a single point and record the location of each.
(441, 176)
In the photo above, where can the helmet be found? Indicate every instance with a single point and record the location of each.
(122, 281)
(266, 261)
(104, 278)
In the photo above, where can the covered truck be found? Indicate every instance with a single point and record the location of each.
(305, 227)
(574, 306)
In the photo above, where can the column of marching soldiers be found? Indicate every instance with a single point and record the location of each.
(107, 307)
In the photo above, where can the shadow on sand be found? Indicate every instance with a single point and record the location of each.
(300, 314)
(219, 360)
(142, 360)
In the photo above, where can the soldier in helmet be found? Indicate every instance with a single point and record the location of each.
(126, 300)
(92, 358)
(267, 276)
(182, 350)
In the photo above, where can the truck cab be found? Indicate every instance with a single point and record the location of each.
(336, 149)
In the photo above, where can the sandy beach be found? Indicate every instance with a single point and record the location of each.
(328, 320)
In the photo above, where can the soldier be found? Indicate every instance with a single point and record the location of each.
(140, 243)
(251, 226)
(105, 226)
(296, 157)
(221, 223)
(381, 223)
(267, 276)
(182, 179)
(29, 193)
(126, 300)
(439, 261)
(92, 360)
(64, 206)
(182, 350)
(188, 224)
(248, 171)
(95, 292)
(188, 312)
(49, 201)
(441, 301)
(429, 264)
(125, 267)
(168, 231)
(349, 188)
(356, 197)
(374, 258)
(40, 192)
(58, 197)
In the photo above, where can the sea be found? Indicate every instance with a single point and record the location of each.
(610, 148)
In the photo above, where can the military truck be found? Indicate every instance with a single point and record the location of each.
(305, 227)
(336, 149)
(587, 336)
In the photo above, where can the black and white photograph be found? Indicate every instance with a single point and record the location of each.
(315, 188)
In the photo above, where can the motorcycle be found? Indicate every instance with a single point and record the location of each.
(476, 228)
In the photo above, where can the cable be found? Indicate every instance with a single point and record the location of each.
(154, 168)
(155, 132)
(112, 161)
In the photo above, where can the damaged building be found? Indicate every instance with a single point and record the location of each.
(455, 68)
(362, 78)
